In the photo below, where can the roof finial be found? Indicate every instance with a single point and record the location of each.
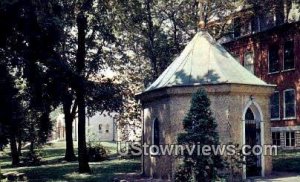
(201, 24)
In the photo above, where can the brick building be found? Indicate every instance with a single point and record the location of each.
(239, 102)
(269, 47)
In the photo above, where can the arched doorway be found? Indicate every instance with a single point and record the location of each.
(252, 136)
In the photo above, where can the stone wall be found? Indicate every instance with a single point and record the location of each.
(228, 103)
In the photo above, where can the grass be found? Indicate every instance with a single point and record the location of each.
(55, 169)
(101, 171)
(287, 161)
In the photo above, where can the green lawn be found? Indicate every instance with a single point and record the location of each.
(55, 169)
(287, 161)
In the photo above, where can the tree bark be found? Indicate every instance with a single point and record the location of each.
(151, 40)
(80, 94)
(19, 146)
(69, 155)
(14, 150)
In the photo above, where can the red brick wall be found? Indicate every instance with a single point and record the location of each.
(259, 44)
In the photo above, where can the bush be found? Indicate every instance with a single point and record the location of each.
(129, 151)
(182, 174)
(97, 152)
(32, 159)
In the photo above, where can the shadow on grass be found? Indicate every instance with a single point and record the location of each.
(53, 167)
(101, 171)
(49, 156)
(287, 161)
(287, 165)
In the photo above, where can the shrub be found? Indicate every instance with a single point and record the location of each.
(97, 152)
(32, 159)
(182, 174)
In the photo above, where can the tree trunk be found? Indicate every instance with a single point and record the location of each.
(80, 93)
(19, 146)
(14, 150)
(82, 150)
(32, 138)
(69, 155)
(31, 149)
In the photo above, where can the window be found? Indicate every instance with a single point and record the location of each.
(249, 61)
(255, 24)
(288, 55)
(249, 115)
(290, 139)
(155, 137)
(276, 138)
(107, 128)
(267, 20)
(237, 27)
(289, 103)
(273, 59)
(279, 12)
(274, 106)
(100, 128)
(246, 28)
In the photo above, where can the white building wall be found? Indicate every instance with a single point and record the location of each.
(101, 127)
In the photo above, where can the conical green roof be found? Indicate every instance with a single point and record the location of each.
(204, 61)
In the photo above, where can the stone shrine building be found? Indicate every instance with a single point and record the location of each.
(239, 102)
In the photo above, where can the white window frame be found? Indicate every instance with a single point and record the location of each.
(269, 61)
(246, 29)
(276, 132)
(290, 138)
(290, 69)
(258, 24)
(249, 52)
(284, 106)
(275, 119)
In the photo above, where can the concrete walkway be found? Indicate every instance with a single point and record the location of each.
(275, 177)
(279, 177)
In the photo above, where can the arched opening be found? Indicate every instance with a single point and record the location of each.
(107, 128)
(100, 128)
(155, 132)
(253, 119)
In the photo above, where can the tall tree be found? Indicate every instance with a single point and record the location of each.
(80, 94)
(69, 117)
(27, 45)
(10, 110)
(88, 25)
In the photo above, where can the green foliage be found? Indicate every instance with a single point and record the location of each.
(233, 164)
(97, 152)
(183, 174)
(37, 44)
(32, 158)
(149, 35)
(200, 128)
(32, 30)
